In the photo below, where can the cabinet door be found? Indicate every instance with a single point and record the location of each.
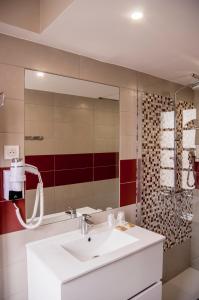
(152, 293)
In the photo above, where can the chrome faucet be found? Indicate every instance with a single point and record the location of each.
(72, 212)
(85, 223)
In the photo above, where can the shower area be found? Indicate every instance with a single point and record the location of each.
(169, 177)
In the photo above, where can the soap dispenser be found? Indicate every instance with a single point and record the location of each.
(120, 218)
(111, 219)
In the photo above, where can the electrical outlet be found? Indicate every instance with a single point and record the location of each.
(11, 151)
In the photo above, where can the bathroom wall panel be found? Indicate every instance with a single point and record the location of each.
(106, 159)
(128, 193)
(43, 162)
(24, 54)
(48, 178)
(8, 221)
(97, 71)
(73, 161)
(128, 185)
(11, 80)
(127, 170)
(151, 84)
(10, 139)
(129, 100)
(30, 55)
(75, 167)
(9, 116)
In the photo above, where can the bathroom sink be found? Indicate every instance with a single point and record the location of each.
(71, 256)
(95, 245)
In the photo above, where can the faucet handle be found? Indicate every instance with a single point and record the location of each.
(71, 211)
(86, 217)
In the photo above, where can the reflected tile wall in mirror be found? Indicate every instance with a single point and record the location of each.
(78, 155)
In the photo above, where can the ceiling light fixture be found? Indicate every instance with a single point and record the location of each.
(137, 15)
(40, 74)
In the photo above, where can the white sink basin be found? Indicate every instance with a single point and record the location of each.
(95, 245)
(71, 255)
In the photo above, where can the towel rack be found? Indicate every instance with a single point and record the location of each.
(34, 138)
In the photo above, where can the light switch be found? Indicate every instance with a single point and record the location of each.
(11, 151)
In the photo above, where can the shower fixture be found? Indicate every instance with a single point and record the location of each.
(2, 99)
(195, 76)
(191, 155)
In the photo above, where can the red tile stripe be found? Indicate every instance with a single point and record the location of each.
(8, 219)
(72, 176)
(100, 169)
(63, 169)
(128, 191)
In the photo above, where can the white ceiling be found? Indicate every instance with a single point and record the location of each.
(165, 43)
(65, 85)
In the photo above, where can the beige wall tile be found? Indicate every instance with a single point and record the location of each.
(44, 147)
(128, 100)
(14, 279)
(83, 143)
(38, 97)
(106, 145)
(42, 128)
(83, 194)
(27, 127)
(64, 197)
(74, 102)
(106, 73)
(194, 243)
(105, 132)
(110, 195)
(151, 84)
(10, 254)
(12, 80)
(12, 117)
(128, 147)
(38, 57)
(49, 201)
(63, 131)
(106, 118)
(38, 112)
(63, 114)
(128, 123)
(88, 194)
(106, 105)
(10, 139)
(176, 260)
(73, 116)
(186, 94)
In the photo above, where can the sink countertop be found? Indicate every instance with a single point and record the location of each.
(66, 267)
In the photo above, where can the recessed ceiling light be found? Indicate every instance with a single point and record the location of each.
(137, 15)
(40, 74)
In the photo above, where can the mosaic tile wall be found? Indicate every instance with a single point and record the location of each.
(163, 211)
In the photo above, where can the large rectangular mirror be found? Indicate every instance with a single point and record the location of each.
(72, 136)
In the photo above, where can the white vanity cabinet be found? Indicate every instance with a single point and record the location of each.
(154, 292)
(120, 280)
(134, 276)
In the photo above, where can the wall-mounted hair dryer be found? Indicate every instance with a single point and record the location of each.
(14, 189)
(191, 168)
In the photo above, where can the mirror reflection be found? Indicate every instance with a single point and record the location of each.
(72, 136)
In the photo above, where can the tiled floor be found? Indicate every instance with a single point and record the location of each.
(185, 286)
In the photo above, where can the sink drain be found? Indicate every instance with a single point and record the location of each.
(95, 256)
